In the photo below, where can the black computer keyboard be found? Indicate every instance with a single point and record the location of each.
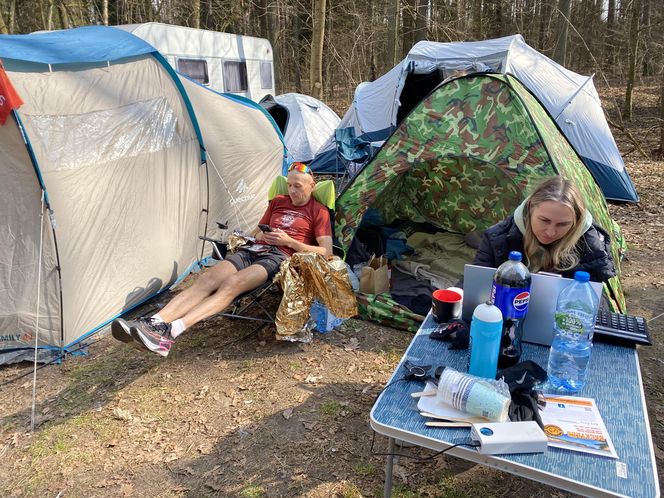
(629, 328)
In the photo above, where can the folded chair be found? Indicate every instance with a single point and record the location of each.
(324, 192)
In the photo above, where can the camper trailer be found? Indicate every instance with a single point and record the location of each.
(224, 62)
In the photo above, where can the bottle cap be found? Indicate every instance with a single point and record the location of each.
(515, 256)
(487, 312)
(581, 276)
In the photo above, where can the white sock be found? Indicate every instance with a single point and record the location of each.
(157, 318)
(177, 327)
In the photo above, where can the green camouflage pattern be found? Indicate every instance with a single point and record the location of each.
(464, 159)
(381, 308)
(569, 165)
(470, 151)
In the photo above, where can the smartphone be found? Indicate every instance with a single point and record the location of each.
(264, 228)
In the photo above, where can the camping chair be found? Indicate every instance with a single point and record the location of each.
(324, 193)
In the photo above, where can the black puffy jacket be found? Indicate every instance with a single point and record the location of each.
(594, 249)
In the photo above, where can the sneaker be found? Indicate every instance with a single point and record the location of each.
(155, 336)
(121, 330)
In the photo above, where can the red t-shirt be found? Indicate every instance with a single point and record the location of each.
(302, 223)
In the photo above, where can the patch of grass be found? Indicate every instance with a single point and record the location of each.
(392, 355)
(331, 408)
(364, 469)
(252, 491)
(449, 489)
(401, 491)
(245, 366)
(350, 491)
(294, 366)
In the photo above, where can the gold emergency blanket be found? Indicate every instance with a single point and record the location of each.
(235, 241)
(306, 276)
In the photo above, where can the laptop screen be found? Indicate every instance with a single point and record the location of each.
(544, 290)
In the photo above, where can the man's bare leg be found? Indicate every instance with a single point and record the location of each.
(205, 285)
(242, 281)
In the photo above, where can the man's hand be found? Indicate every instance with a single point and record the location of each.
(277, 237)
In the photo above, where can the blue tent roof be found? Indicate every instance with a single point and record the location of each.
(86, 44)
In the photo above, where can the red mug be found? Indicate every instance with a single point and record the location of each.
(445, 305)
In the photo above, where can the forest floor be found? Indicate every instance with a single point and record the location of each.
(230, 413)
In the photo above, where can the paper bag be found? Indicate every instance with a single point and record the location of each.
(374, 278)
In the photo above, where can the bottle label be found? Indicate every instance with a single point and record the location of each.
(572, 321)
(513, 302)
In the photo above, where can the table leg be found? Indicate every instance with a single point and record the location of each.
(389, 464)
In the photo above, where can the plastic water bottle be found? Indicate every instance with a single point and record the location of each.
(485, 334)
(575, 318)
(511, 294)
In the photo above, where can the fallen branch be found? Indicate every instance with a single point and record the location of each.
(630, 137)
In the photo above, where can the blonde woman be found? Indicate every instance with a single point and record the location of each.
(555, 233)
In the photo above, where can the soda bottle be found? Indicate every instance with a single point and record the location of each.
(511, 293)
(485, 330)
(575, 319)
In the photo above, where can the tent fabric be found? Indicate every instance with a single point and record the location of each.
(306, 122)
(464, 159)
(239, 175)
(115, 153)
(85, 44)
(570, 98)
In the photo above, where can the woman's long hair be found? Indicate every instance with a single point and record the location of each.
(561, 254)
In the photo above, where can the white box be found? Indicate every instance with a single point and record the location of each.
(509, 437)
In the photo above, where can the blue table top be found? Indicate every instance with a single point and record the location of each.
(613, 380)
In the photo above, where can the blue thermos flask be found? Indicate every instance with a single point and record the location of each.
(485, 334)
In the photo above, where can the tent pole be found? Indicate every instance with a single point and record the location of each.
(39, 262)
(573, 96)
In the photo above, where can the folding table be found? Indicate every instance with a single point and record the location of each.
(613, 380)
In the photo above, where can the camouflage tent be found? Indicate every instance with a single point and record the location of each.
(464, 158)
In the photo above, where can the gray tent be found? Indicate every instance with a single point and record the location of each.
(106, 183)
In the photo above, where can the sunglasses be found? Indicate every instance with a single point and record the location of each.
(301, 167)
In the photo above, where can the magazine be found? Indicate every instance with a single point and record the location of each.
(575, 424)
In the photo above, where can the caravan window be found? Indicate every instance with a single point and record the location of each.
(266, 75)
(235, 76)
(196, 69)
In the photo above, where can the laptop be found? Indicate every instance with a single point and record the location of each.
(544, 290)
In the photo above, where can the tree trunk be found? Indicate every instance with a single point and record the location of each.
(316, 64)
(648, 49)
(421, 21)
(545, 13)
(12, 17)
(476, 19)
(564, 10)
(62, 11)
(392, 34)
(633, 49)
(408, 33)
(4, 29)
(104, 13)
(196, 13)
(661, 115)
(297, 33)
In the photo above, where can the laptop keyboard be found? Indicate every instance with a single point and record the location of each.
(629, 328)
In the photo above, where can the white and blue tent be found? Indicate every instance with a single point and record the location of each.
(306, 123)
(570, 98)
(110, 172)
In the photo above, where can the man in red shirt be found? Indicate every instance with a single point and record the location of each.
(298, 223)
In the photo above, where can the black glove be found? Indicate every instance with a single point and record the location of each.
(456, 331)
(521, 379)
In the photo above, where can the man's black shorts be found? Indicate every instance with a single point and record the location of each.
(270, 260)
